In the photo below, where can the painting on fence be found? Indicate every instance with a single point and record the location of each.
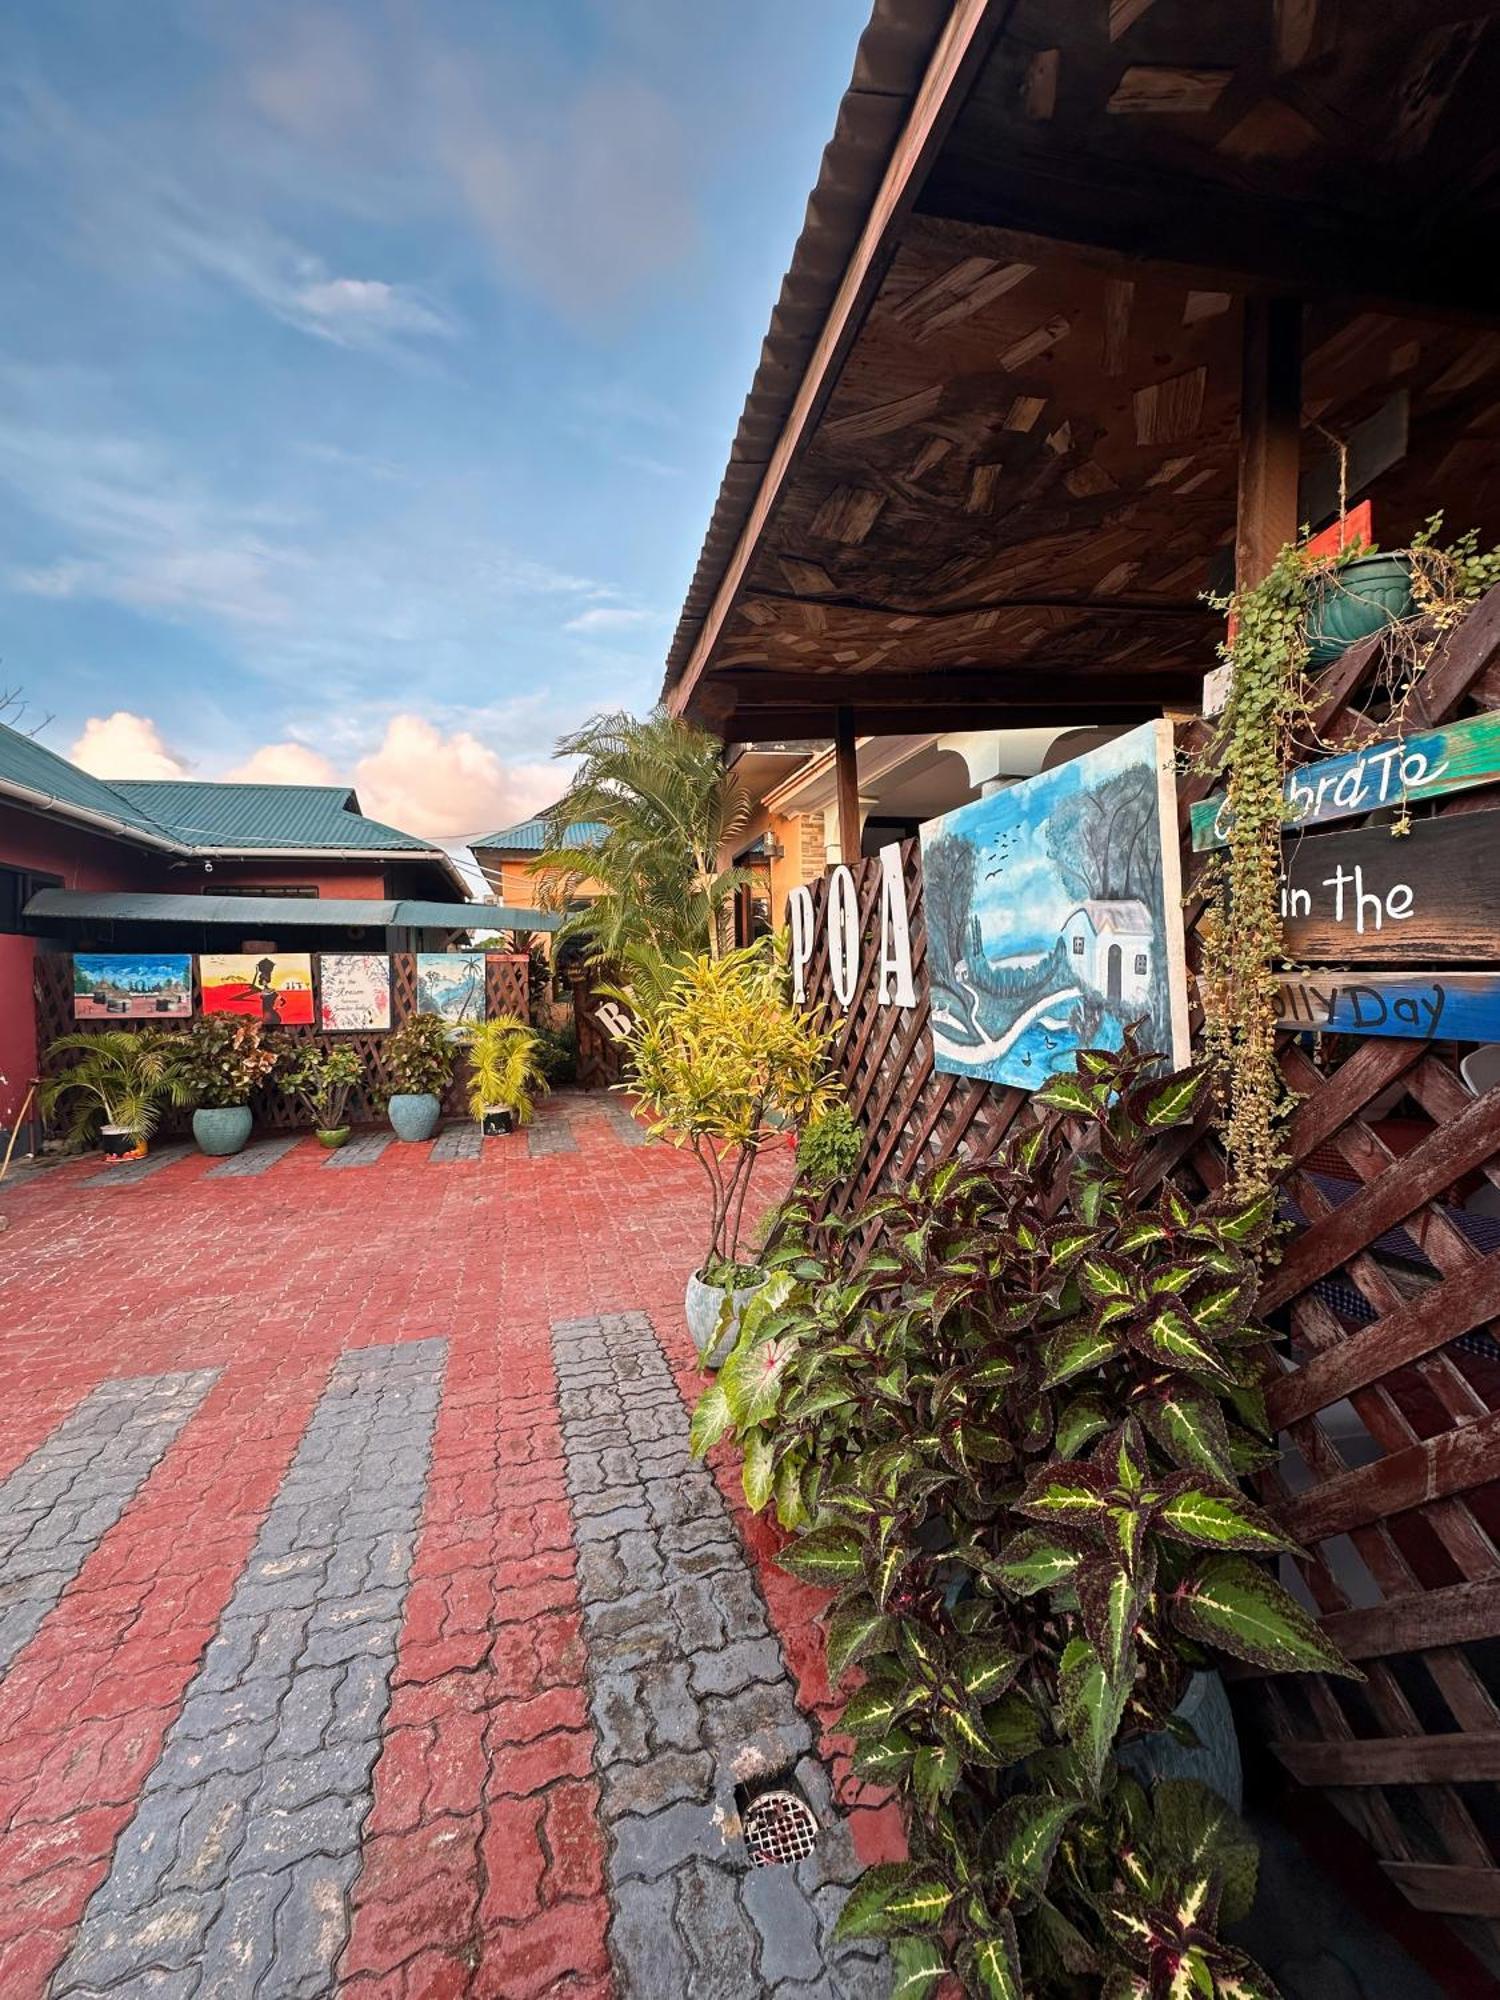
(1054, 916)
(451, 984)
(131, 986)
(275, 988)
(354, 990)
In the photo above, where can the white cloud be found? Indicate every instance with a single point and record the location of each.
(284, 764)
(609, 618)
(123, 745)
(447, 786)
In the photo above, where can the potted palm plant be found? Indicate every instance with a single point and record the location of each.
(727, 1066)
(505, 1073)
(419, 1057)
(224, 1059)
(125, 1074)
(320, 1077)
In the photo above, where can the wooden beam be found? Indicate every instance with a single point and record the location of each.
(1270, 435)
(1128, 607)
(1430, 1619)
(1454, 1461)
(1464, 1757)
(846, 778)
(754, 725)
(1450, 1889)
(970, 33)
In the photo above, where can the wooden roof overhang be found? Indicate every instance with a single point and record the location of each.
(989, 462)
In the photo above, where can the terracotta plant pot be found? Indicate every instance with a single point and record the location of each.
(221, 1128)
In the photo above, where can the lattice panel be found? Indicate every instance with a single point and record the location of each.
(600, 1062)
(505, 993)
(1385, 1376)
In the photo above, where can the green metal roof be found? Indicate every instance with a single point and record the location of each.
(529, 836)
(274, 913)
(298, 817)
(30, 765)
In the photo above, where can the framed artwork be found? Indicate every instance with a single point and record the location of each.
(130, 986)
(1054, 916)
(354, 989)
(275, 987)
(451, 985)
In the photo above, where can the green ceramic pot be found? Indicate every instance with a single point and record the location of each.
(333, 1136)
(1363, 597)
(415, 1114)
(221, 1128)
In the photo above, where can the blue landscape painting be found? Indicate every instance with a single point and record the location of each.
(130, 985)
(1054, 916)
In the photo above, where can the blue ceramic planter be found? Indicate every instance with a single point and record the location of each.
(415, 1114)
(222, 1128)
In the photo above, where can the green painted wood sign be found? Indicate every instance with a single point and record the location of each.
(1419, 1006)
(1366, 896)
(1426, 766)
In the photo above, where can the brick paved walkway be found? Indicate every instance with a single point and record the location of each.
(363, 1627)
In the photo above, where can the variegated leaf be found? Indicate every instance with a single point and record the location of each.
(1033, 1561)
(1235, 1605)
(854, 1633)
(1218, 1521)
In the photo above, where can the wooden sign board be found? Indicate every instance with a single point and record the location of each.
(1371, 897)
(1419, 1006)
(1424, 766)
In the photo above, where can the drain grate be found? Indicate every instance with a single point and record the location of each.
(780, 1829)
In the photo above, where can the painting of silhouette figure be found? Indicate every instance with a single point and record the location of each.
(1054, 916)
(275, 988)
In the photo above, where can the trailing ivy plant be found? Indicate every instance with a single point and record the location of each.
(1012, 1445)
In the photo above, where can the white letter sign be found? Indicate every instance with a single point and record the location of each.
(843, 933)
(897, 987)
(799, 910)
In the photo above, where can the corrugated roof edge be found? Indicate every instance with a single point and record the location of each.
(889, 65)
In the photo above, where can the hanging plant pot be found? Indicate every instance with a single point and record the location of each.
(1350, 603)
(221, 1128)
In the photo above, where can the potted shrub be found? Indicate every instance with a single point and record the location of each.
(505, 1073)
(223, 1059)
(320, 1076)
(1013, 1444)
(419, 1056)
(725, 1064)
(122, 1077)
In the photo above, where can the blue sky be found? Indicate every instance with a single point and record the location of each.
(367, 370)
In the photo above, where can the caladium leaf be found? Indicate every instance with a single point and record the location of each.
(1219, 1521)
(1084, 1418)
(1234, 1604)
(1034, 1560)
(752, 1379)
(986, 1669)
(1026, 1834)
(829, 1556)
(758, 1471)
(934, 1772)
(917, 1965)
(854, 1632)
(1092, 1703)
(1189, 1426)
(992, 1965)
(1074, 1349)
(712, 1420)
(791, 1508)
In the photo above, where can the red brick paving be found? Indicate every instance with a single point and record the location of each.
(482, 1870)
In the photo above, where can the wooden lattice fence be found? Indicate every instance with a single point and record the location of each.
(1385, 1377)
(505, 992)
(601, 1062)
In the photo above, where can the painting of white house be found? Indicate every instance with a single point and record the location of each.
(451, 984)
(1054, 916)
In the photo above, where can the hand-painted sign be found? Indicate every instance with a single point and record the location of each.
(1421, 1006)
(1372, 897)
(1426, 766)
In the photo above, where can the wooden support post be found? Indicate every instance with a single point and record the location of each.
(846, 775)
(1270, 434)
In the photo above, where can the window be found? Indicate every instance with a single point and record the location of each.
(258, 889)
(1078, 947)
(1140, 965)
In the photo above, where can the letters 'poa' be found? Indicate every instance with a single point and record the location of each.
(895, 986)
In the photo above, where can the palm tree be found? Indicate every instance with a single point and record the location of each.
(124, 1073)
(668, 807)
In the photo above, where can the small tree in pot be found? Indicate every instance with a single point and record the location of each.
(320, 1076)
(727, 1065)
(419, 1057)
(505, 1072)
(223, 1060)
(114, 1088)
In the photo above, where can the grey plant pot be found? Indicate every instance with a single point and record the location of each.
(221, 1128)
(704, 1304)
(415, 1114)
(1205, 1707)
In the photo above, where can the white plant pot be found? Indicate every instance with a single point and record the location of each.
(714, 1331)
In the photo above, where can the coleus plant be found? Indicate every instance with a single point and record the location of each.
(1010, 1437)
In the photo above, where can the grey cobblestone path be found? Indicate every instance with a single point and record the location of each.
(361, 1152)
(59, 1503)
(619, 1116)
(129, 1172)
(549, 1132)
(458, 1142)
(256, 1159)
(690, 1696)
(232, 1878)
